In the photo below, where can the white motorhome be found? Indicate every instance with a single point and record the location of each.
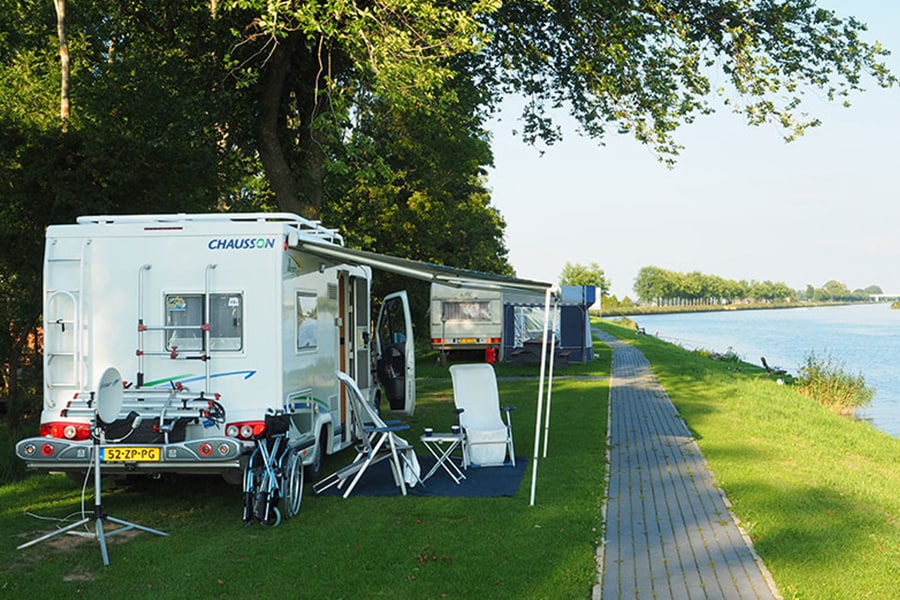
(213, 320)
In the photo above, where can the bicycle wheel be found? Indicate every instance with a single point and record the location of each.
(253, 476)
(268, 515)
(265, 504)
(292, 483)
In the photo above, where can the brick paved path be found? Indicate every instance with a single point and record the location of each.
(669, 533)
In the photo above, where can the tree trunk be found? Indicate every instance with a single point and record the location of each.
(271, 120)
(310, 102)
(64, 69)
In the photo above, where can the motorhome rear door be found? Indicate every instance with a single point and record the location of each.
(395, 364)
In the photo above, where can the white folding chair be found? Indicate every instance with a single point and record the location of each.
(378, 441)
(488, 440)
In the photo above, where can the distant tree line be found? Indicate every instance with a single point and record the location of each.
(835, 291)
(654, 285)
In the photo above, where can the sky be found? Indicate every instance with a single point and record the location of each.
(741, 203)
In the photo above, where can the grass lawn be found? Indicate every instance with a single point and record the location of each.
(817, 492)
(361, 547)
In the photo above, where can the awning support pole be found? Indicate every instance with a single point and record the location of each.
(550, 378)
(540, 401)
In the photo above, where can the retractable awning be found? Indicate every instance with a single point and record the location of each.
(463, 278)
(424, 271)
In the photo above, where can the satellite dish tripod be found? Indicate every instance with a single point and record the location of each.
(107, 403)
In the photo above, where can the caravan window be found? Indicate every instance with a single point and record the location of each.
(185, 319)
(466, 311)
(307, 321)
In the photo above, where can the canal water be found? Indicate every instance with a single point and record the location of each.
(863, 339)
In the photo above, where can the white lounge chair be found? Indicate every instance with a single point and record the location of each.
(378, 441)
(488, 440)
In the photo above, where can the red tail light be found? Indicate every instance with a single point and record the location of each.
(245, 430)
(66, 430)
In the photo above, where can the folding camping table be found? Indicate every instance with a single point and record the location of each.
(442, 446)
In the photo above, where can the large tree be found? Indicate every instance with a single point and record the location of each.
(283, 81)
(313, 65)
(578, 274)
(411, 183)
(643, 68)
(646, 67)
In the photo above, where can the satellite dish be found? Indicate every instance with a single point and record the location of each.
(109, 395)
(109, 402)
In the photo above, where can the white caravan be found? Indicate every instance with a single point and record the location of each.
(473, 319)
(213, 320)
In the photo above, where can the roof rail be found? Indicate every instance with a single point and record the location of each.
(304, 226)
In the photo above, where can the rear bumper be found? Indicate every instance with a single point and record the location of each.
(209, 455)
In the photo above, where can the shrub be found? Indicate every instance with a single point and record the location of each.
(826, 381)
(729, 356)
(11, 468)
(626, 322)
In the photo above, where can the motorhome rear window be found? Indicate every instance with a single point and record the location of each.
(185, 316)
(466, 311)
(226, 321)
(307, 321)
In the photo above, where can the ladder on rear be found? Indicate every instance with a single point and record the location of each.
(65, 354)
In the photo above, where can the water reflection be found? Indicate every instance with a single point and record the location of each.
(864, 339)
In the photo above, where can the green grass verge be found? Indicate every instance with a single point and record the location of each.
(411, 547)
(817, 492)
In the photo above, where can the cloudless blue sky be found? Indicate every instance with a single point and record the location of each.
(741, 203)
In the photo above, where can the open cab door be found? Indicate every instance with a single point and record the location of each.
(395, 363)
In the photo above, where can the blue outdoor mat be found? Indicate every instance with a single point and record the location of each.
(480, 482)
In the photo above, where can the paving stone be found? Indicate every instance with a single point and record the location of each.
(669, 532)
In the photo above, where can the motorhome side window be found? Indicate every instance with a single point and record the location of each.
(466, 311)
(185, 319)
(307, 321)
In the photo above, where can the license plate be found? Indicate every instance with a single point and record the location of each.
(467, 340)
(129, 454)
